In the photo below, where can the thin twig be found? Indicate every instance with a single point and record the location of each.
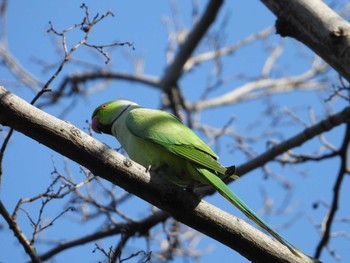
(30, 250)
(329, 219)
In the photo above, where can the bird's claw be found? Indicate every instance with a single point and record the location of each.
(231, 172)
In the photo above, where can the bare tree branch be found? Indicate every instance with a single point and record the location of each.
(255, 89)
(210, 55)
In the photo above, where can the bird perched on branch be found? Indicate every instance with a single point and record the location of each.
(158, 140)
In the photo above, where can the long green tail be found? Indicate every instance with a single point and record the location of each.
(226, 192)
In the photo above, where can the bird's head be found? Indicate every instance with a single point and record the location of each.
(106, 114)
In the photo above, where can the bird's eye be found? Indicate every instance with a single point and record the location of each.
(104, 106)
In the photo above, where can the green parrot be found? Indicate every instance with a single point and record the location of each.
(159, 140)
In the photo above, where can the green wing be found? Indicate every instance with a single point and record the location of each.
(168, 132)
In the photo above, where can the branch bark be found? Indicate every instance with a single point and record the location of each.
(317, 26)
(103, 161)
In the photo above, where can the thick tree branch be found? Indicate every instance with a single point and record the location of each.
(112, 166)
(317, 26)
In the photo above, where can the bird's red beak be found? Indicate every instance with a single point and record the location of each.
(94, 125)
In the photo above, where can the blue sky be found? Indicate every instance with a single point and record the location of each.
(140, 23)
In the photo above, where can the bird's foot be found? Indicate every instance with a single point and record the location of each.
(230, 172)
(190, 188)
(148, 168)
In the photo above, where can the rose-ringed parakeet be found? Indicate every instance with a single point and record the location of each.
(160, 141)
